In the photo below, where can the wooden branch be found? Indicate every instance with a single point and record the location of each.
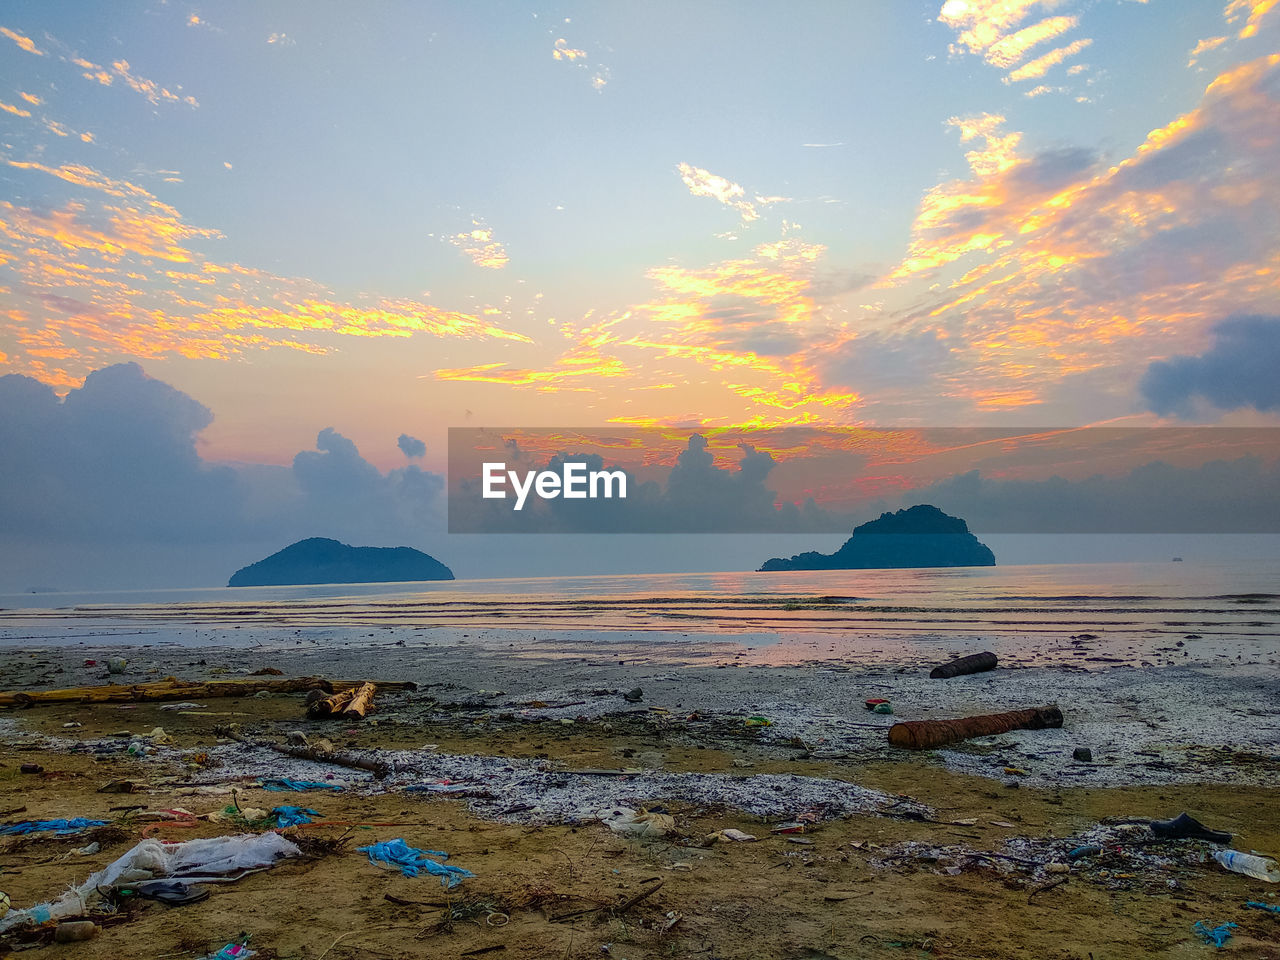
(927, 734)
(384, 685)
(376, 767)
(172, 689)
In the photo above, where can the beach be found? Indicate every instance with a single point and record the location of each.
(538, 720)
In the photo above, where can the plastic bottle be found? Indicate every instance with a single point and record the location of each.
(1260, 868)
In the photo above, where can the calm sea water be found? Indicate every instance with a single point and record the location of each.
(1211, 597)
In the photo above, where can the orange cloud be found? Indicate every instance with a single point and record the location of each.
(127, 231)
(585, 359)
(703, 183)
(128, 276)
(148, 88)
(717, 318)
(395, 318)
(985, 23)
(990, 29)
(1203, 47)
(26, 43)
(562, 51)
(1251, 12)
(1079, 266)
(1011, 49)
(1042, 65)
(479, 244)
(85, 176)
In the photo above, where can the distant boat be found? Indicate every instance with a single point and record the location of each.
(1177, 560)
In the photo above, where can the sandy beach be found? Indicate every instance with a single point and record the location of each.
(522, 742)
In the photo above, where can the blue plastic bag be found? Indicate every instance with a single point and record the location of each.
(284, 783)
(292, 816)
(58, 826)
(412, 861)
(1216, 937)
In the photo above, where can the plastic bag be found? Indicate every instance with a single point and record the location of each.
(412, 861)
(190, 860)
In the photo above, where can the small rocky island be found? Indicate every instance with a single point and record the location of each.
(919, 536)
(321, 560)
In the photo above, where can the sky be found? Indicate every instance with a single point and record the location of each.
(296, 233)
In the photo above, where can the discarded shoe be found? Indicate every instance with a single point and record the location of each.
(1184, 827)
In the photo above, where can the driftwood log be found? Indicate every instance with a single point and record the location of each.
(361, 703)
(328, 706)
(974, 663)
(171, 689)
(927, 734)
(376, 767)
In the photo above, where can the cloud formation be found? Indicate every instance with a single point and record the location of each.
(1056, 263)
(1041, 65)
(992, 29)
(562, 51)
(597, 74)
(411, 447)
(479, 244)
(704, 183)
(116, 461)
(96, 277)
(1248, 14)
(23, 42)
(1239, 369)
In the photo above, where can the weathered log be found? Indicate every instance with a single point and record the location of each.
(361, 703)
(328, 706)
(170, 688)
(927, 734)
(376, 767)
(974, 663)
(383, 685)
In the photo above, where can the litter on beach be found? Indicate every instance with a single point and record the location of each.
(292, 816)
(150, 859)
(284, 783)
(412, 861)
(74, 825)
(1215, 936)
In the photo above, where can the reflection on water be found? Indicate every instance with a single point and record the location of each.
(1238, 599)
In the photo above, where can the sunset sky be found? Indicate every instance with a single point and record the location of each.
(396, 218)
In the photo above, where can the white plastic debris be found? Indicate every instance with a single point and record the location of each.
(191, 861)
(634, 824)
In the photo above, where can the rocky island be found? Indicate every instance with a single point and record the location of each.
(321, 560)
(919, 536)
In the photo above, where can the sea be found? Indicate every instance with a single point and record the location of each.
(1200, 599)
